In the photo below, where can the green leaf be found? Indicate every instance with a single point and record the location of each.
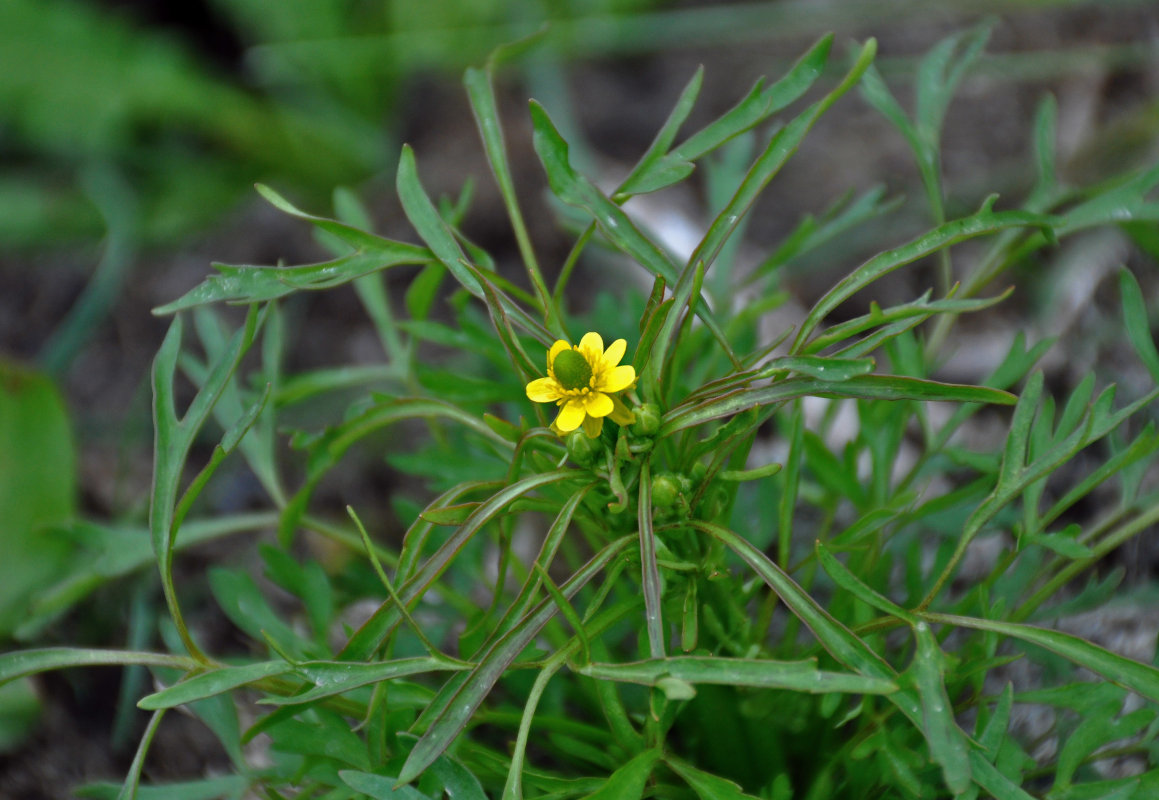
(922, 309)
(327, 735)
(457, 780)
(30, 662)
(173, 439)
(1065, 542)
(648, 175)
(337, 677)
(1093, 732)
(983, 222)
(355, 237)
(991, 780)
(1119, 670)
(658, 168)
(706, 785)
(244, 604)
(628, 782)
(430, 226)
(37, 490)
(449, 515)
(20, 709)
(576, 190)
(782, 147)
(878, 387)
(423, 289)
(1123, 202)
(379, 787)
(759, 104)
(228, 786)
(650, 572)
(1137, 323)
(213, 682)
(827, 369)
(105, 553)
(1045, 135)
(992, 736)
(855, 586)
(947, 743)
(242, 283)
(801, 676)
(812, 232)
(486, 111)
(939, 75)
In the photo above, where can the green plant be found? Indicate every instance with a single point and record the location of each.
(699, 620)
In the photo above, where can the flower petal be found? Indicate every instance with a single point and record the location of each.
(618, 379)
(557, 348)
(598, 404)
(592, 346)
(614, 353)
(621, 414)
(593, 426)
(570, 415)
(544, 390)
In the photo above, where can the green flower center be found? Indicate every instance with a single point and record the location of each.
(572, 370)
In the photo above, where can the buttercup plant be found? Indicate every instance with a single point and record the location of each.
(713, 597)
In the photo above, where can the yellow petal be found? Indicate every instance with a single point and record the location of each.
(557, 348)
(621, 414)
(593, 426)
(614, 353)
(598, 404)
(618, 379)
(592, 346)
(570, 415)
(543, 390)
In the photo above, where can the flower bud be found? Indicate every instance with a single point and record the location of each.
(665, 490)
(647, 420)
(582, 450)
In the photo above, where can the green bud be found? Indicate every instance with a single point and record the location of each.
(581, 449)
(572, 370)
(665, 490)
(699, 470)
(647, 420)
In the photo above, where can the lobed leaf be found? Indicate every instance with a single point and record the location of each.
(982, 222)
(659, 168)
(1119, 670)
(876, 387)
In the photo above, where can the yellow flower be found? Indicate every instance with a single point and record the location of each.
(583, 381)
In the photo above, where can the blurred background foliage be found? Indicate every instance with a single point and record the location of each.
(193, 102)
